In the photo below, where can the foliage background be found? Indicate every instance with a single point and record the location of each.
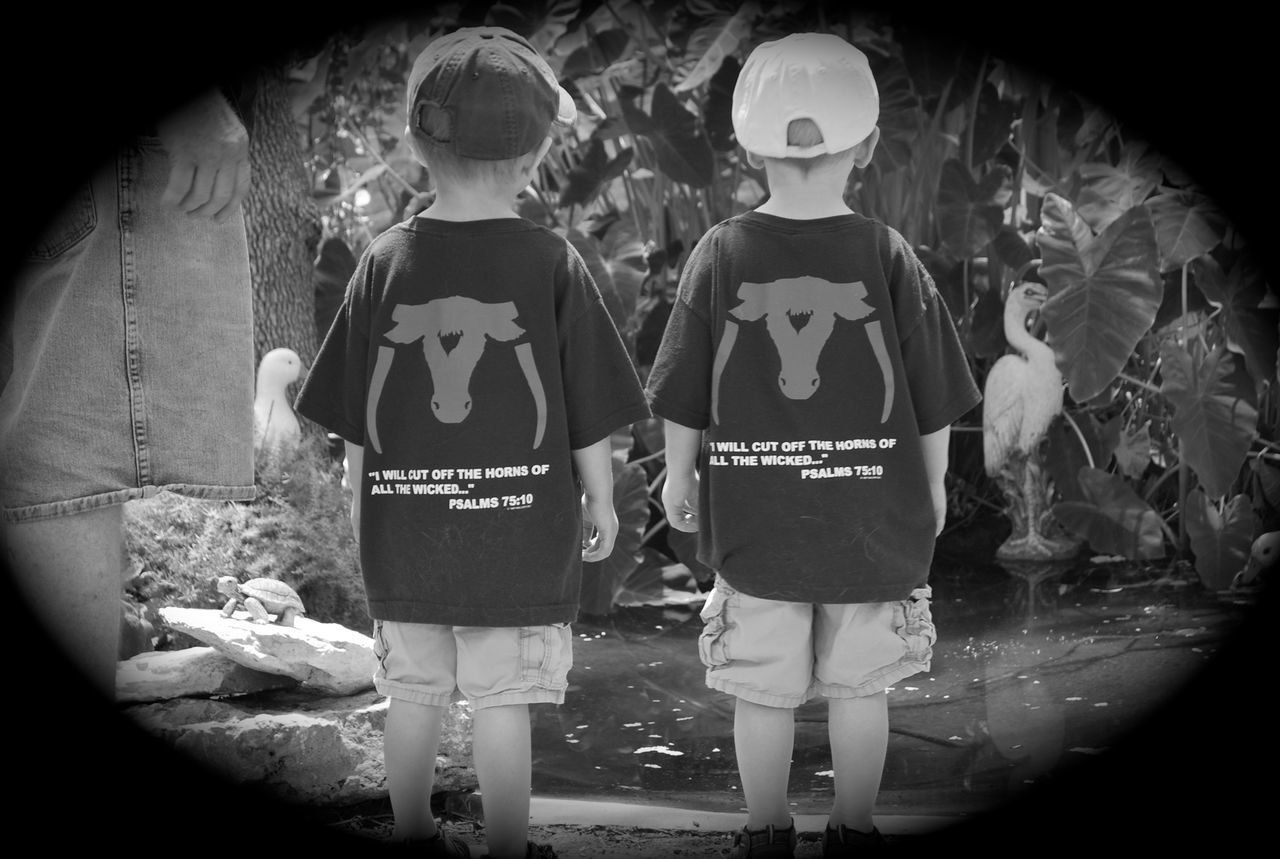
(1161, 320)
(1209, 113)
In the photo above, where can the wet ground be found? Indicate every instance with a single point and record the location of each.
(1105, 704)
(1036, 679)
(1027, 678)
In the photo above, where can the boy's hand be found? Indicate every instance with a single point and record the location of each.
(939, 496)
(680, 501)
(600, 513)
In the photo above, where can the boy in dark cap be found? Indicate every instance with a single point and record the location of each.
(476, 377)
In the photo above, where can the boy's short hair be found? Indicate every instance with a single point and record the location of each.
(817, 77)
(483, 94)
(804, 133)
(443, 163)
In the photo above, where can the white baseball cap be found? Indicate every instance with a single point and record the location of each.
(815, 76)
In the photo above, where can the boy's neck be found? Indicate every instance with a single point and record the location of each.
(803, 207)
(470, 203)
(802, 196)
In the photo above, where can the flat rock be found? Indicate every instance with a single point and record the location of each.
(317, 750)
(200, 672)
(327, 657)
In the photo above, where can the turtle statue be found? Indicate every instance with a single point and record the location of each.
(261, 598)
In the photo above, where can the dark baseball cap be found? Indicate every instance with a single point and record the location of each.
(485, 93)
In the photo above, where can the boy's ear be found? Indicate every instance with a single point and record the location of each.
(413, 146)
(754, 160)
(863, 151)
(541, 153)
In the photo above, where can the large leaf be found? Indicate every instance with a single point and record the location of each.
(714, 42)
(602, 580)
(991, 126)
(1248, 313)
(1133, 453)
(596, 55)
(1104, 292)
(969, 214)
(1187, 224)
(900, 113)
(986, 330)
(679, 142)
(717, 110)
(1042, 154)
(1010, 248)
(592, 172)
(588, 247)
(1112, 518)
(1110, 191)
(1214, 424)
(1065, 455)
(1221, 541)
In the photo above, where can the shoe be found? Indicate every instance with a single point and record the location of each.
(843, 841)
(539, 851)
(442, 845)
(768, 843)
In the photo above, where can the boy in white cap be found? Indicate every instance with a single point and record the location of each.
(476, 377)
(807, 379)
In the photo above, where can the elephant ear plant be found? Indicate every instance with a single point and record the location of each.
(1158, 320)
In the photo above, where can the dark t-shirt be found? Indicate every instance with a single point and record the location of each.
(469, 359)
(814, 354)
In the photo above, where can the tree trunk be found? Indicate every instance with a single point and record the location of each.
(283, 226)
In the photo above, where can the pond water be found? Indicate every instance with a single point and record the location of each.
(1028, 677)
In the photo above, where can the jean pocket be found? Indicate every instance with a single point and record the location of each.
(73, 223)
(913, 621)
(712, 648)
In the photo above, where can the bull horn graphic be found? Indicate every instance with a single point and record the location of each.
(524, 353)
(800, 314)
(454, 332)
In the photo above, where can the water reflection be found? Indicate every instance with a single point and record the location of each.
(1030, 675)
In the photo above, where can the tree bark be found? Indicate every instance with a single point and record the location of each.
(283, 226)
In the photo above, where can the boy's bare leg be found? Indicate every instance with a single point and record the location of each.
(409, 747)
(859, 730)
(764, 738)
(502, 752)
(71, 571)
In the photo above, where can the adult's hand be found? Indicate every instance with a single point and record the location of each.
(208, 157)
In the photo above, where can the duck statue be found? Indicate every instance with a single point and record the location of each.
(275, 427)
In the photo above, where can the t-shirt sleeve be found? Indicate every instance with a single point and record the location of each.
(333, 393)
(942, 386)
(602, 391)
(679, 385)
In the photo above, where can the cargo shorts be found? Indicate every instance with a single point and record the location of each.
(782, 654)
(435, 665)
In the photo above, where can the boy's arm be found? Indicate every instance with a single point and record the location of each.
(935, 446)
(354, 465)
(680, 492)
(595, 469)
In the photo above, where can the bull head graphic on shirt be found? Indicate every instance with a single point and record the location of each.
(800, 314)
(454, 332)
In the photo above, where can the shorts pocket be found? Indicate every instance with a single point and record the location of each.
(380, 648)
(546, 655)
(712, 649)
(69, 227)
(913, 621)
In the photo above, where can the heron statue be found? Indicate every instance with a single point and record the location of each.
(1022, 396)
